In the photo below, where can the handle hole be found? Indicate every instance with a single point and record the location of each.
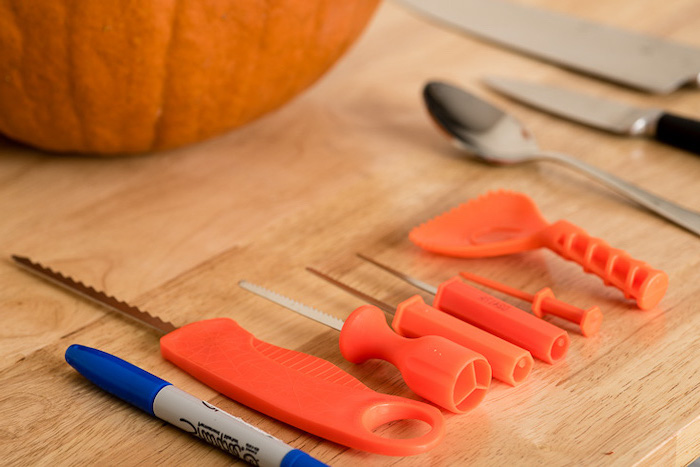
(402, 429)
(397, 422)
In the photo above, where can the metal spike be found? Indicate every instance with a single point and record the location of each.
(411, 280)
(368, 298)
(94, 295)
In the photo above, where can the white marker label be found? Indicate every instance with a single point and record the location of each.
(218, 428)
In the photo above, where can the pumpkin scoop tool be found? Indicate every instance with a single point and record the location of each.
(504, 222)
(299, 389)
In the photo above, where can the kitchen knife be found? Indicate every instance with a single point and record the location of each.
(613, 116)
(649, 63)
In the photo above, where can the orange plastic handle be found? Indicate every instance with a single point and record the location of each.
(635, 278)
(435, 368)
(544, 340)
(299, 389)
(545, 303)
(589, 321)
(509, 363)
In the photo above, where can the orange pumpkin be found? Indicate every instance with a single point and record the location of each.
(129, 76)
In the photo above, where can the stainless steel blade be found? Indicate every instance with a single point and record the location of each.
(93, 295)
(424, 286)
(601, 113)
(633, 59)
(353, 291)
(304, 310)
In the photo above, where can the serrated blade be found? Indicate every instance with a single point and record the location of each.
(297, 307)
(623, 56)
(605, 114)
(94, 295)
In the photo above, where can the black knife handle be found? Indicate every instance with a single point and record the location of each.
(679, 132)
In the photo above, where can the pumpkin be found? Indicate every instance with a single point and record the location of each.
(130, 76)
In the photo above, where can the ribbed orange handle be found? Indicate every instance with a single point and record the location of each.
(636, 279)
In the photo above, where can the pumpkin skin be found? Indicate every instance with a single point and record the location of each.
(132, 76)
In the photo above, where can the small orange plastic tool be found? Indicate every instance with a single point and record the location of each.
(544, 340)
(544, 303)
(504, 222)
(435, 368)
(414, 318)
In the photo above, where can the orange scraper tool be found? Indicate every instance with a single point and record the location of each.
(435, 368)
(504, 222)
(544, 340)
(415, 318)
(302, 390)
(544, 303)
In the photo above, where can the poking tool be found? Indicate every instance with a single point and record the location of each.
(504, 222)
(544, 340)
(435, 368)
(173, 405)
(414, 318)
(544, 303)
(302, 390)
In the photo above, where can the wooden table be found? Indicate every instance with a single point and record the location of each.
(351, 166)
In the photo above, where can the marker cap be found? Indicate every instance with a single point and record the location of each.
(116, 376)
(297, 458)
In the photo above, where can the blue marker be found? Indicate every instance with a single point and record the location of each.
(163, 400)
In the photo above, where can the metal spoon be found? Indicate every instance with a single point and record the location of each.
(493, 136)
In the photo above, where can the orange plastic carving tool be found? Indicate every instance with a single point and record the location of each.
(414, 318)
(503, 222)
(299, 389)
(544, 303)
(435, 368)
(544, 340)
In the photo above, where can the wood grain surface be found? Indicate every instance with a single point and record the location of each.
(351, 166)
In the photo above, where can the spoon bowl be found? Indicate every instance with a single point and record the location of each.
(491, 135)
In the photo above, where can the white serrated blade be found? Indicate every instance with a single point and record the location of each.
(304, 310)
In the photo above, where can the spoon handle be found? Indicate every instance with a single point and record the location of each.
(689, 220)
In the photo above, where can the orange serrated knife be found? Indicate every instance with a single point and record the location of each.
(299, 389)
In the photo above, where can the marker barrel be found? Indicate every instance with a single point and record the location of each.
(216, 427)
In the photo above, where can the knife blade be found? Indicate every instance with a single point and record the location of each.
(613, 116)
(640, 61)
